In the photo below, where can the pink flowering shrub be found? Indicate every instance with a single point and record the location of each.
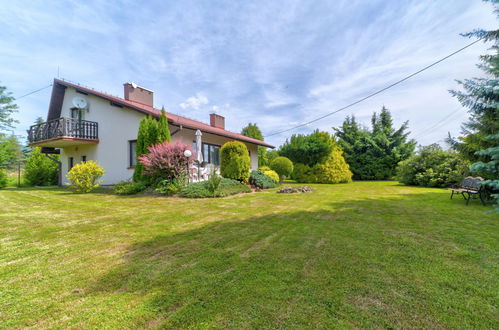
(166, 161)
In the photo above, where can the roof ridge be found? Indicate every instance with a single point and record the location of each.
(151, 110)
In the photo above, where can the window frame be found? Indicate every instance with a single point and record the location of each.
(207, 158)
(132, 158)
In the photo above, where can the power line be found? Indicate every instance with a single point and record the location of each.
(377, 92)
(33, 92)
(448, 118)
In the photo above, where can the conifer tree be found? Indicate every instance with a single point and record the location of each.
(374, 154)
(163, 130)
(481, 97)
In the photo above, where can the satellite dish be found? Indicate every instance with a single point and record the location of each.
(134, 85)
(80, 102)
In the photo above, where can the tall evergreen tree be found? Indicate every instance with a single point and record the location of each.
(481, 97)
(252, 130)
(149, 134)
(374, 154)
(163, 129)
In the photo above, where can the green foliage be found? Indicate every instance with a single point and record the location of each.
(264, 168)
(333, 170)
(260, 180)
(226, 187)
(489, 168)
(129, 188)
(308, 149)
(84, 177)
(271, 155)
(151, 132)
(433, 167)
(272, 175)
(10, 151)
(481, 97)
(163, 129)
(213, 182)
(172, 186)
(283, 166)
(374, 154)
(252, 130)
(39, 170)
(7, 108)
(235, 161)
(3, 178)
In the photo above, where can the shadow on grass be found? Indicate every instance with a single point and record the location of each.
(388, 262)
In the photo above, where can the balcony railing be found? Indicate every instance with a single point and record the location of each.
(64, 128)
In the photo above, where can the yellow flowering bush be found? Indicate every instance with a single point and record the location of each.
(334, 170)
(272, 174)
(84, 177)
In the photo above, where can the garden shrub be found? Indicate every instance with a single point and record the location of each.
(129, 188)
(213, 183)
(226, 187)
(260, 180)
(171, 187)
(301, 172)
(333, 170)
(273, 175)
(3, 178)
(433, 167)
(308, 149)
(151, 132)
(40, 170)
(235, 161)
(264, 168)
(282, 166)
(165, 161)
(84, 177)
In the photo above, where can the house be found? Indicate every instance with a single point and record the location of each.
(85, 124)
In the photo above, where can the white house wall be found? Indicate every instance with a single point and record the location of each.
(117, 126)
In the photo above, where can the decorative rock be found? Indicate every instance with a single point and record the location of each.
(292, 190)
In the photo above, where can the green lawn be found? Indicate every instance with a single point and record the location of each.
(374, 254)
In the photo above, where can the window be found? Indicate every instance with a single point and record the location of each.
(77, 114)
(83, 159)
(132, 147)
(211, 153)
(70, 163)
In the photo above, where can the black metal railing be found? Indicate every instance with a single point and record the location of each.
(64, 127)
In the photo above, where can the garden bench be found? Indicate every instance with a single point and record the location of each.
(469, 188)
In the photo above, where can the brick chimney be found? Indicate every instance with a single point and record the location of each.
(138, 94)
(217, 121)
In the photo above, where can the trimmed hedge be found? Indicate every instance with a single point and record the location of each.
(260, 180)
(235, 161)
(283, 167)
(226, 187)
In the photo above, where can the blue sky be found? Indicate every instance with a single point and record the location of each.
(276, 63)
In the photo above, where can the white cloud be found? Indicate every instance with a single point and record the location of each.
(195, 102)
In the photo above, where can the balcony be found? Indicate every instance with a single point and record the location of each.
(63, 132)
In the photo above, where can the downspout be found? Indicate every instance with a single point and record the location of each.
(59, 168)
